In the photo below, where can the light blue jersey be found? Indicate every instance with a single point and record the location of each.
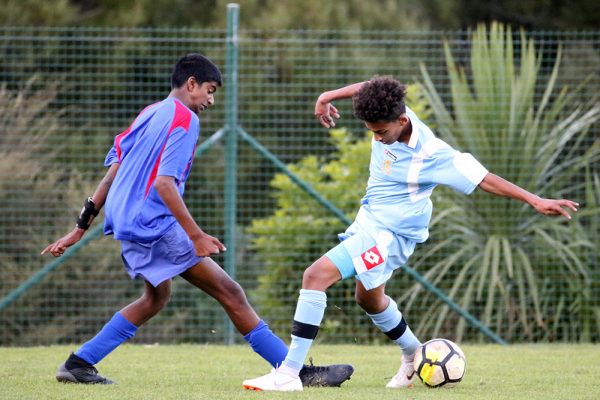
(396, 208)
(403, 176)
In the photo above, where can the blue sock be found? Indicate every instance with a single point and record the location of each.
(115, 332)
(308, 317)
(391, 322)
(267, 344)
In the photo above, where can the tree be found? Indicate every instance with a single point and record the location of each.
(308, 14)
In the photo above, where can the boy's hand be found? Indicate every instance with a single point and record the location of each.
(58, 248)
(555, 207)
(206, 245)
(325, 112)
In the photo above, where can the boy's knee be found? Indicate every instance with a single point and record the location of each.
(231, 292)
(156, 303)
(361, 301)
(369, 304)
(235, 290)
(372, 302)
(320, 275)
(311, 275)
(163, 301)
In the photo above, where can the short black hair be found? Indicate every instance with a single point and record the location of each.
(380, 99)
(195, 65)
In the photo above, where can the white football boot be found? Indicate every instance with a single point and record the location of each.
(274, 381)
(405, 376)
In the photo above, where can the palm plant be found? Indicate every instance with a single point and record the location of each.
(523, 274)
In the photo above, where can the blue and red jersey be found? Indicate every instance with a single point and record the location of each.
(161, 141)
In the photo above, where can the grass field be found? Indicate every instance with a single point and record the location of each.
(216, 372)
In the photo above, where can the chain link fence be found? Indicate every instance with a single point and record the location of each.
(66, 92)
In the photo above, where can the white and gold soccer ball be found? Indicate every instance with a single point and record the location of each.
(440, 363)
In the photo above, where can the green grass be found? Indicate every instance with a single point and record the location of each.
(216, 372)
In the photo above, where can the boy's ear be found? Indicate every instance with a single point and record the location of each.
(190, 83)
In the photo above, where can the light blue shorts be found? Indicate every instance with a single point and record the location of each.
(161, 259)
(371, 257)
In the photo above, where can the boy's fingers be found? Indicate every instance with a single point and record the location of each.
(564, 213)
(326, 121)
(571, 204)
(48, 249)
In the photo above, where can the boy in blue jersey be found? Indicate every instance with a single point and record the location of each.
(142, 191)
(407, 162)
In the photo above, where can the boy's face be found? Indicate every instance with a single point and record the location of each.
(392, 131)
(201, 95)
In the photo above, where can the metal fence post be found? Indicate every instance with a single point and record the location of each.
(231, 123)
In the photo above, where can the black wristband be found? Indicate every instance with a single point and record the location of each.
(88, 212)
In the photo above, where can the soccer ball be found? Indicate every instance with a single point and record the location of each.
(440, 363)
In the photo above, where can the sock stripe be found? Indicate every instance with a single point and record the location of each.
(305, 331)
(398, 331)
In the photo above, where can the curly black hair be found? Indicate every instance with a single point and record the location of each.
(381, 99)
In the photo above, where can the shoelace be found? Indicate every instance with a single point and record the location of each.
(91, 370)
(316, 368)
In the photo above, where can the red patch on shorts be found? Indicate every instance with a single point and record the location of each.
(372, 258)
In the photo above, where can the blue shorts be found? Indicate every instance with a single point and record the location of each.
(371, 257)
(161, 259)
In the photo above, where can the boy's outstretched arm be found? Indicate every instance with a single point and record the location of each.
(325, 111)
(501, 187)
(97, 200)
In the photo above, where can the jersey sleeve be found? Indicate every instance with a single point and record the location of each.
(111, 157)
(177, 153)
(460, 171)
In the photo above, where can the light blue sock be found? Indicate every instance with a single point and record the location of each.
(308, 317)
(267, 344)
(391, 322)
(115, 332)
